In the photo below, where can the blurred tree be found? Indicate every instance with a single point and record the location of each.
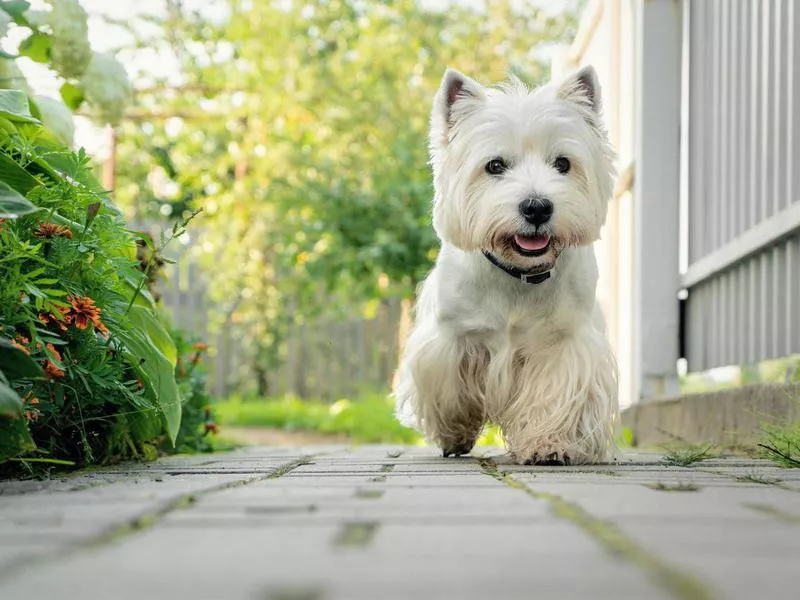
(301, 129)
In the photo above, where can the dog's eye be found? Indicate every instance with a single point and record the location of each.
(562, 165)
(496, 166)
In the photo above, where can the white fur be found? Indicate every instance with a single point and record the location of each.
(532, 358)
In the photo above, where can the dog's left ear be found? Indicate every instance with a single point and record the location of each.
(582, 88)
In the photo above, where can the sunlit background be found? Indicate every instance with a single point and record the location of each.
(299, 129)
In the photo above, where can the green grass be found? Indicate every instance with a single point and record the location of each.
(688, 455)
(781, 444)
(757, 478)
(673, 487)
(368, 419)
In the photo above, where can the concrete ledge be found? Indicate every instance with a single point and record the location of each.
(730, 418)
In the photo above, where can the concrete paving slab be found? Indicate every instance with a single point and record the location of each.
(387, 522)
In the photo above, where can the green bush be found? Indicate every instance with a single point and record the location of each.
(197, 420)
(87, 367)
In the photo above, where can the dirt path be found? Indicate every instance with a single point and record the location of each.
(263, 436)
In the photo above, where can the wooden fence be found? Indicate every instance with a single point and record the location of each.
(327, 358)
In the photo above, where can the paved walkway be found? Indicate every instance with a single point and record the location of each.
(386, 523)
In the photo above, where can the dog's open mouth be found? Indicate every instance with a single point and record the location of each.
(532, 245)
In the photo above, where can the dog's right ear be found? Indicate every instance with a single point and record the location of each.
(457, 97)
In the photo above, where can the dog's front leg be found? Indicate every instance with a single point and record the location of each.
(439, 382)
(566, 403)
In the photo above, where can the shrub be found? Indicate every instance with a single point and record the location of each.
(197, 421)
(88, 367)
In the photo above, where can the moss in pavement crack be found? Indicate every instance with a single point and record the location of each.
(149, 519)
(774, 512)
(356, 534)
(681, 585)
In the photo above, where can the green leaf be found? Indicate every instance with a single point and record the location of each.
(157, 373)
(33, 290)
(15, 438)
(14, 106)
(15, 176)
(13, 204)
(72, 95)
(10, 402)
(144, 298)
(147, 321)
(7, 128)
(16, 9)
(46, 461)
(16, 363)
(36, 47)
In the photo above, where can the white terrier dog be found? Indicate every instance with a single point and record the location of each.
(507, 328)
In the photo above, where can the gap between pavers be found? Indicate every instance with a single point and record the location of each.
(106, 521)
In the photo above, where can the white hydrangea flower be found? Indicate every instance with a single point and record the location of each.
(107, 87)
(37, 18)
(11, 78)
(5, 19)
(57, 118)
(70, 50)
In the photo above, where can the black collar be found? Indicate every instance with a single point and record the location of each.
(523, 276)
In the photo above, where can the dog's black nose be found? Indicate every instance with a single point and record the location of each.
(536, 210)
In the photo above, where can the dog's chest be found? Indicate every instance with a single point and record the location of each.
(527, 329)
(506, 325)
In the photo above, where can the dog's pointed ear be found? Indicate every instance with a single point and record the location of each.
(582, 88)
(457, 96)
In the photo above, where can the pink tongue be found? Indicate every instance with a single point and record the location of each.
(534, 242)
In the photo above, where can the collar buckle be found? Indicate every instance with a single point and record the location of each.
(535, 278)
(516, 273)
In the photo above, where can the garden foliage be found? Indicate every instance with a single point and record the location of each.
(59, 38)
(87, 368)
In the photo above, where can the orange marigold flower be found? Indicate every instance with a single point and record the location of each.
(21, 342)
(51, 230)
(54, 351)
(30, 401)
(47, 318)
(83, 312)
(200, 347)
(49, 367)
(52, 370)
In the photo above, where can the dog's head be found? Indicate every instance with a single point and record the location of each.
(520, 173)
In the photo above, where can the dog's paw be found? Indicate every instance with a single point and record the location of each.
(457, 448)
(549, 457)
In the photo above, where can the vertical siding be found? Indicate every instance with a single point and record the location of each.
(742, 168)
